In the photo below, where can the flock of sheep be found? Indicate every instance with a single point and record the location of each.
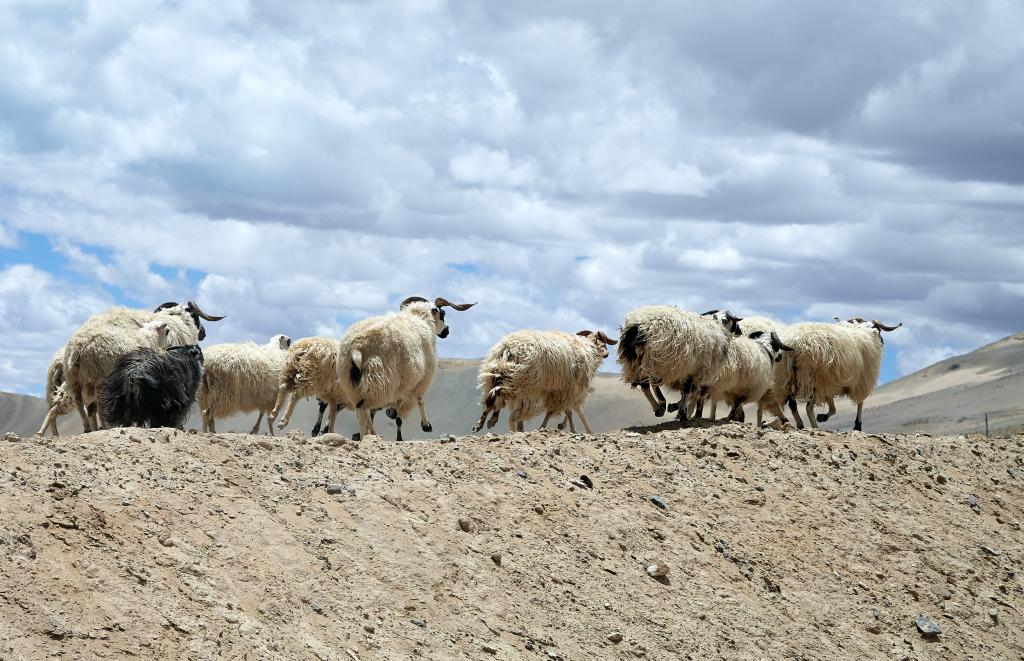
(129, 367)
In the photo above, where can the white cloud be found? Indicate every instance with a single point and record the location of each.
(559, 163)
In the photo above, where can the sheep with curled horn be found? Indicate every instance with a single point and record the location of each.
(832, 360)
(663, 345)
(93, 349)
(241, 378)
(540, 371)
(748, 373)
(389, 361)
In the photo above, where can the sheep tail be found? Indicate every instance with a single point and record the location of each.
(355, 373)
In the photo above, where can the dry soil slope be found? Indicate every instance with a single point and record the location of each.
(953, 395)
(163, 544)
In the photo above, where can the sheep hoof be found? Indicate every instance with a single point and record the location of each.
(660, 411)
(357, 437)
(857, 427)
(426, 426)
(561, 426)
(391, 412)
(823, 417)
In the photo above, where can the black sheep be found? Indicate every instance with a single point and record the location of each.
(152, 387)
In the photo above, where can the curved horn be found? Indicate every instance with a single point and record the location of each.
(882, 327)
(704, 314)
(607, 340)
(195, 309)
(410, 300)
(776, 342)
(164, 306)
(442, 302)
(585, 333)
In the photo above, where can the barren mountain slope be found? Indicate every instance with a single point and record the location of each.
(164, 544)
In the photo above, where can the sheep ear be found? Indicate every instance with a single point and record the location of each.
(755, 335)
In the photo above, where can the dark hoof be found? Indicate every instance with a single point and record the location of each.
(561, 426)
(857, 427)
(315, 432)
(398, 436)
(477, 427)
(672, 408)
(799, 425)
(391, 412)
(823, 417)
(357, 437)
(426, 426)
(491, 423)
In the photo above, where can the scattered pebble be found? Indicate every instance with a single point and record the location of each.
(418, 622)
(496, 558)
(659, 570)
(660, 502)
(521, 473)
(615, 637)
(465, 524)
(927, 627)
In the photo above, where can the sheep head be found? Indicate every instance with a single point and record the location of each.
(601, 341)
(436, 312)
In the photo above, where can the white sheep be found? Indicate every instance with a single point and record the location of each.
(93, 349)
(308, 370)
(391, 360)
(240, 378)
(533, 371)
(663, 345)
(831, 360)
(748, 373)
(58, 397)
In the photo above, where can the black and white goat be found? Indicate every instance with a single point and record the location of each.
(152, 387)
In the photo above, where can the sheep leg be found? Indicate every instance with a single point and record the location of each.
(76, 398)
(586, 425)
(736, 413)
(809, 407)
(213, 425)
(656, 406)
(714, 409)
(568, 418)
(547, 417)
(255, 428)
(270, 425)
(332, 416)
(684, 400)
(856, 423)
(776, 409)
(288, 412)
(282, 392)
(365, 422)
(398, 427)
(319, 418)
(480, 423)
(698, 409)
(424, 423)
(760, 414)
(823, 417)
(796, 414)
(660, 396)
(49, 421)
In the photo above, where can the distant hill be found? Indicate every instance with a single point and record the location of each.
(951, 396)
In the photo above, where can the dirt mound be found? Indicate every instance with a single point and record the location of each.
(164, 544)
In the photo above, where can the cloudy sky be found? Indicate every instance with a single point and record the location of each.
(300, 165)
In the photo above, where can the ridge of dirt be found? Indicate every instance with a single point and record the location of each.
(165, 544)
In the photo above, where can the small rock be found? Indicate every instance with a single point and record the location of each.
(587, 482)
(660, 502)
(337, 487)
(874, 628)
(420, 623)
(615, 637)
(369, 628)
(167, 541)
(496, 558)
(521, 473)
(465, 524)
(991, 551)
(927, 627)
(658, 570)
(972, 502)
(490, 649)
(632, 434)
(11, 437)
(941, 591)
(941, 479)
(538, 508)
(994, 614)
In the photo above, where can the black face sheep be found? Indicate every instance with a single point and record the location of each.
(152, 387)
